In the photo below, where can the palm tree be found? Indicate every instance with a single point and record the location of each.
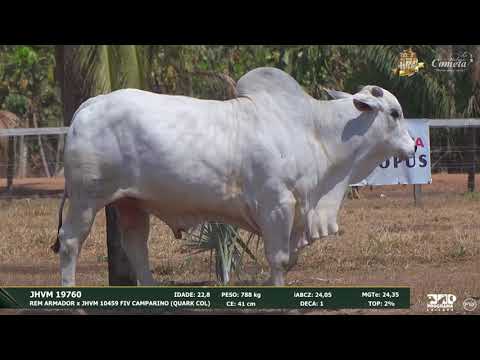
(88, 70)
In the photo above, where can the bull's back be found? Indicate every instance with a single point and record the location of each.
(153, 146)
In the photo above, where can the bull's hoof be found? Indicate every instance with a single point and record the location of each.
(56, 247)
(273, 282)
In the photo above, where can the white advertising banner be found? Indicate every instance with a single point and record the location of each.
(416, 170)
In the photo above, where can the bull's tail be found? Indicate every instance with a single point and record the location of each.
(56, 247)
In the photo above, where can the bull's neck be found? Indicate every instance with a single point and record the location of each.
(342, 137)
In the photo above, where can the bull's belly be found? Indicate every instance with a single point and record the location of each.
(183, 213)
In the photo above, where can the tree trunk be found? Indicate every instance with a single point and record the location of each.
(60, 78)
(474, 111)
(120, 272)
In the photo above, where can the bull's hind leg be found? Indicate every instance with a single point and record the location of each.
(135, 226)
(72, 234)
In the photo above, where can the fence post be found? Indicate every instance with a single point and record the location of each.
(417, 194)
(473, 158)
(59, 155)
(10, 162)
(22, 158)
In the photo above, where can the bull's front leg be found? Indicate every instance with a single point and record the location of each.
(276, 230)
(323, 220)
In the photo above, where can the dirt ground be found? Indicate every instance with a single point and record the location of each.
(385, 240)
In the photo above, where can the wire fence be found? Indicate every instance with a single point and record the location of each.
(454, 159)
(31, 155)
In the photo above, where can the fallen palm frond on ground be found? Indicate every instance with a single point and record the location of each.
(226, 243)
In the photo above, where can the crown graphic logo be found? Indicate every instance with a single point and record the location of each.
(408, 63)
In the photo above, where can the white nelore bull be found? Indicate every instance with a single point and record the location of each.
(273, 161)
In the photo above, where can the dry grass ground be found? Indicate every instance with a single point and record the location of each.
(385, 240)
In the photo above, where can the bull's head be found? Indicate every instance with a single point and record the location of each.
(389, 124)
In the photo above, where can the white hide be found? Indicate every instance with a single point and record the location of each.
(273, 161)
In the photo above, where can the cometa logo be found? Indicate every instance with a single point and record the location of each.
(458, 63)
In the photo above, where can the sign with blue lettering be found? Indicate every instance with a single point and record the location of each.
(415, 170)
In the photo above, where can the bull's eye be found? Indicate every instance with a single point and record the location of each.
(395, 114)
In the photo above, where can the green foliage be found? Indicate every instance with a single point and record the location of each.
(27, 83)
(16, 103)
(192, 69)
(181, 70)
(25, 57)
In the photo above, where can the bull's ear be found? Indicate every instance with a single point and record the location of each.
(364, 102)
(334, 94)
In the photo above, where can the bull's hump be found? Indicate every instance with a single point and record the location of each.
(269, 80)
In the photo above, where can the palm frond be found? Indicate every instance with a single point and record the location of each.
(86, 66)
(225, 241)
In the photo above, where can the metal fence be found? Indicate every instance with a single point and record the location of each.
(30, 153)
(459, 156)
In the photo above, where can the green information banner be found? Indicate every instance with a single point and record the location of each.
(176, 298)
